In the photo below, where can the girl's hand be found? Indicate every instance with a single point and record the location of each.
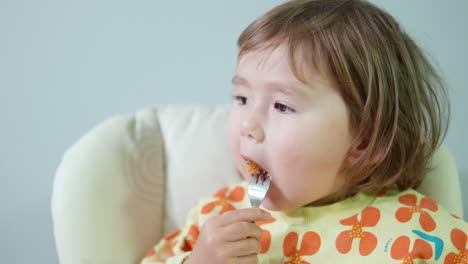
(230, 238)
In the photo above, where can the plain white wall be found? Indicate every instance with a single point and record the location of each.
(67, 65)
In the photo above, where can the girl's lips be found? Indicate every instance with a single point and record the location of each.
(246, 159)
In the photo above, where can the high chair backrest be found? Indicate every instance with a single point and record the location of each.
(134, 177)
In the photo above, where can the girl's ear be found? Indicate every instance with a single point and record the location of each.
(357, 150)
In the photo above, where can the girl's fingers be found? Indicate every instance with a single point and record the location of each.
(250, 259)
(243, 215)
(241, 230)
(244, 247)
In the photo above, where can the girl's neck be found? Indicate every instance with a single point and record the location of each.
(327, 200)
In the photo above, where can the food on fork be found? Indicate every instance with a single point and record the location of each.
(253, 168)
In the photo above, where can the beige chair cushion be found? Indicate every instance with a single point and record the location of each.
(134, 177)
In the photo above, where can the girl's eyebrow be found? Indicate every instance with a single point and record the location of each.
(278, 86)
(239, 80)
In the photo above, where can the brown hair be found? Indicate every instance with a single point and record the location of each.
(396, 100)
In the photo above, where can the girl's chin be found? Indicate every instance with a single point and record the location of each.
(271, 204)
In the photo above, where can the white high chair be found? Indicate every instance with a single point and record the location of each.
(133, 178)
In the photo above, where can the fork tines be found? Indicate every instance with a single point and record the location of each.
(261, 174)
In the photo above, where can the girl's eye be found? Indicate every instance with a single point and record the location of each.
(283, 108)
(280, 107)
(241, 99)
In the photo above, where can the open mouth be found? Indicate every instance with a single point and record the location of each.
(253, 168)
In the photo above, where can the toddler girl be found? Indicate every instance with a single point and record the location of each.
(343, 110)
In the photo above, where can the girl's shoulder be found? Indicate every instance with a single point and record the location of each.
(409, 202)
(408, 219)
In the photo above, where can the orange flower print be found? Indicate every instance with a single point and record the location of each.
(382, 192)
(404, 214)
(265, 241)
(459, 239)
(189, 242)
(167, 237)
(309, 246)
(151, 253)
(401, 250)
(236, 195)
(370, 216)
(171, 235)
(455, 216)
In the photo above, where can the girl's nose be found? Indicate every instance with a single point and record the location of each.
(252, 129)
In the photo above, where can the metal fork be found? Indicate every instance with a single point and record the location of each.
(258, 188)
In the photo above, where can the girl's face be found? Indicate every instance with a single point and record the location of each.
(298, 133)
